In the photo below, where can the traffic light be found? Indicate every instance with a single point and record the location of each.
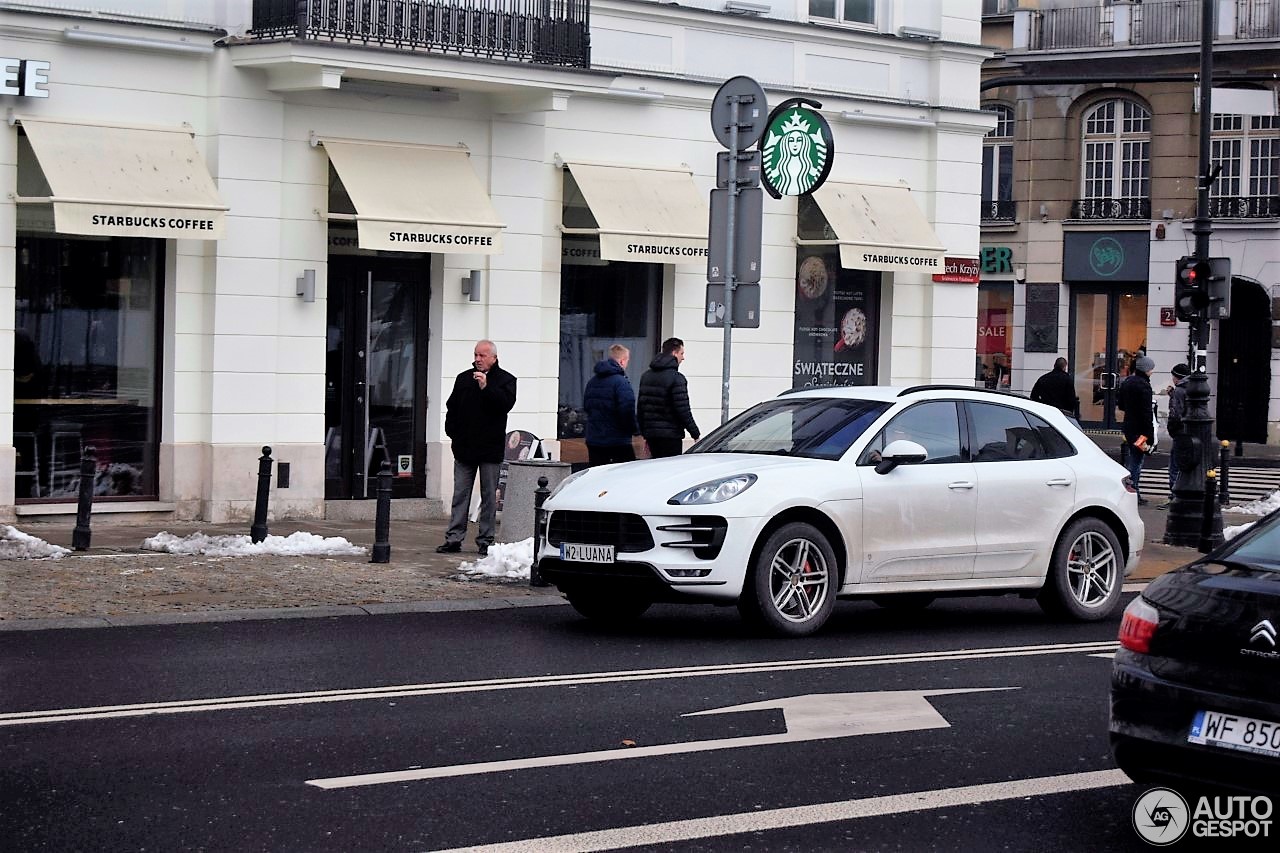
(1191, 288)
(1219, 288)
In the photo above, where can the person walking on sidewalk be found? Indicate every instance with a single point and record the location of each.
(1135, 399)
(476, 422)
(1177, 411)
(663, 406)
(1056, 388)
(611, 410)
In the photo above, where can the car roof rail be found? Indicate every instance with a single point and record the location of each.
(914, 388)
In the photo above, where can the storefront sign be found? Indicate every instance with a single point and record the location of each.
(797, 149)
(993, 332)
(835, 316)
(581, 252)
(1105, 256)
(112, 220)
(653, 249)
(959, 271)
(997, 260)
(23, 77)
(415, 237)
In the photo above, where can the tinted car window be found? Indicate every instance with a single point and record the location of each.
(1003, 434)
(812, 427)
(934, 425)
(1260, 545)
(1055, 444)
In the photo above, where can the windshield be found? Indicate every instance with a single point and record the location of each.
(1259, 546)
(812, 427)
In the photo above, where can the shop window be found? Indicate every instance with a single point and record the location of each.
(995, 318)
(86, 364)
(836, 321)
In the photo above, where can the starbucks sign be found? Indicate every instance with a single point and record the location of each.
(796, 149)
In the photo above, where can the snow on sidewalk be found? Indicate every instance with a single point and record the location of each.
(16, 545)
(295, 544)
(506, 560)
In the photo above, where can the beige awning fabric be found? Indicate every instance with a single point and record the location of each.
(880, 228)
(651, 215)
(124, 181)
(416, 198)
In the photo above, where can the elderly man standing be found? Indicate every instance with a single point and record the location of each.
(476, 421)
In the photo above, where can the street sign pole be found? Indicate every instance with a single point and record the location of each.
(729, 283)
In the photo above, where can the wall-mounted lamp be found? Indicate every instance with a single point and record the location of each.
(473, 285)
(1020, 274)
(1044, 212)
(307, 285)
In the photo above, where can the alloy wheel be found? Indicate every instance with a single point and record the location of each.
(798, 580)
(1092, 568)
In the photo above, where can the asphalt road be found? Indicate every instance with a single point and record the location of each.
(335, 702)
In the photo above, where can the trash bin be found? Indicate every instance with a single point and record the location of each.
(517, 503)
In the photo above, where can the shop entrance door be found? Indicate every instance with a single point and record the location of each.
(375, 404)
(1108, 327)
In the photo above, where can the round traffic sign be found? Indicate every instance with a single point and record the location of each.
(753, 112)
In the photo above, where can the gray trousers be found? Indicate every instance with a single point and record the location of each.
(464, 478)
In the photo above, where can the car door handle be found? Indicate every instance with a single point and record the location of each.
(962, 484)
(1060, 481)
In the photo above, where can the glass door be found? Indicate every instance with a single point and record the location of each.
(1108, 329)
(376, 372)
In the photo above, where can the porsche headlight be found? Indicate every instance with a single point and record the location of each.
(566, 481)
(714, 492)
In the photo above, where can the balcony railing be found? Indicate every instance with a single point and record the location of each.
(1245, 207)
(1257, 19)
(1080, 26)
(1111, 208)
(1165, 23)
(548, 32)
(1001, 210)
(1151, 23)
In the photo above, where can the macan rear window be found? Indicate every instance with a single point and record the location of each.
(810, 427)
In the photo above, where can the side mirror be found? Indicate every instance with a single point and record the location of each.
(900, 452)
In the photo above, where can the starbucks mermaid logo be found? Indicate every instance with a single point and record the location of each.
(796, 151)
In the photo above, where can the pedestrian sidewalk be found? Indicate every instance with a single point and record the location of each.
(116, 583)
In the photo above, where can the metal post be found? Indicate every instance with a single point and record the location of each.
(81, 535)
(382, 517)
(730, 283)
(1196, 445)
(1224, 496)
(1211, 521)
(539, 497)
(258, 532)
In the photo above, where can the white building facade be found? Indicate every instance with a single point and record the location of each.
(240, 224)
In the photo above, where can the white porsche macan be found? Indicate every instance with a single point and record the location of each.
(896, 494)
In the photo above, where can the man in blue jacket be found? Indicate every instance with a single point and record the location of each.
(611, 410)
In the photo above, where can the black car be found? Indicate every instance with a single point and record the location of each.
(1195, 688)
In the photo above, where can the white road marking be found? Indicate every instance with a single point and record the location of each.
(819, 716)
(1107, 655)
(774, 819)
(270, 700)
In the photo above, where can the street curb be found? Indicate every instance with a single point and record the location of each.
(265, 613)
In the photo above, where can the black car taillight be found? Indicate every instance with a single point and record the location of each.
(1139, 626)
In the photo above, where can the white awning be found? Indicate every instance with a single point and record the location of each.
(126, 181)
(651, 215)
(416, 198)
(880, 227)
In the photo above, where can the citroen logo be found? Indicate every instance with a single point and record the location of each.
(1264, 630)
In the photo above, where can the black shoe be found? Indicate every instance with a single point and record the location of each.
(449, 548)
(1164, 505)
(484, 550)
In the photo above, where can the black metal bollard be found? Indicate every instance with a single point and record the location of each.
(81, 535)
(382, 518)
(539, 497)
(1210, 521)
(258, 532)
(1224, 496)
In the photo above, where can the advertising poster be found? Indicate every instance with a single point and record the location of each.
(836, 321)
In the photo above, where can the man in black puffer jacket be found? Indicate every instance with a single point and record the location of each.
(662, 406)
(476, 420)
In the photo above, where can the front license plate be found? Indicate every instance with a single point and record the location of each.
(1229, 731)
(579, 553)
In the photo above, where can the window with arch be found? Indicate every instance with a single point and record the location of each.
(1116, 162)
(997, 167)
(1248, 150)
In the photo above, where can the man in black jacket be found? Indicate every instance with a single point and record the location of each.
(476, 420)
(1134, 398)
(662, 406)
(1057, 388)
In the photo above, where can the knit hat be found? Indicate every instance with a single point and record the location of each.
(1143, 364)
(1181, 371)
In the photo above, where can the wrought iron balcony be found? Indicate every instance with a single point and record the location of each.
(547, 32)
(1164, 22)
(1001, 210)
(1245, 207)
(1111, 208)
